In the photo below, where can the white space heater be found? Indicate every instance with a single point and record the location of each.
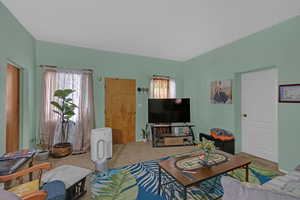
(101, 144)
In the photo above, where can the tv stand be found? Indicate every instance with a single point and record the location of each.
(166, 135)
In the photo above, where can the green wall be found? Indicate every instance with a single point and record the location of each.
(107, 64)
(279, 47)
(17, 45)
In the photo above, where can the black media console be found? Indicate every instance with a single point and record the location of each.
(166, 135)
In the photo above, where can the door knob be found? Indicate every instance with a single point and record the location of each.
(245, 115)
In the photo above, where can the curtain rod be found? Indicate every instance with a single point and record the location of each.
(54, 67)
(157, 75)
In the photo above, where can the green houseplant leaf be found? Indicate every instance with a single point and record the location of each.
(57, 105)
(69, 99)
(55, 111)
(63, 93)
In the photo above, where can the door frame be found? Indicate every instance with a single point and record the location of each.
(238, 77)
(21, 96)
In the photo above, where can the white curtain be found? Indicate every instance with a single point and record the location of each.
(172, 88)
(83, 120)
(162, 88)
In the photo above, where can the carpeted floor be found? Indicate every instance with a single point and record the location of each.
(140, 182)
(130, 154)
(122, 155)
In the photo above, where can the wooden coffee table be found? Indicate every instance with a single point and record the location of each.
(186, 180)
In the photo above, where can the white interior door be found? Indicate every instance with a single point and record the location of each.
(259, 113)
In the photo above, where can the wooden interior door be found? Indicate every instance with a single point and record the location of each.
(120, 109)
(12, 108)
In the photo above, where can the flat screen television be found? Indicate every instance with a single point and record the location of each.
(169, 110)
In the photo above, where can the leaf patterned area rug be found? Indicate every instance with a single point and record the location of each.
(140, 182)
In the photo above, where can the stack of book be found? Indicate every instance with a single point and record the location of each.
(26, 153)
(10, 162)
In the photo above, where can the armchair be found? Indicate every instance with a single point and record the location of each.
(29, 190)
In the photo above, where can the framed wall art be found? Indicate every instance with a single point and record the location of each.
(221, 92)
(289, 93)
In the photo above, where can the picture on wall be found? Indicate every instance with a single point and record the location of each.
(289, 93)
(221, 92)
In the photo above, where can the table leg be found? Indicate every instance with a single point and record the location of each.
(83, 185)
(159, 180)
(30, 165)
(247, 173)
(153, 136)
(77, 190)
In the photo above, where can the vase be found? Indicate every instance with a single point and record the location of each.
(206, 158)
(206, 155)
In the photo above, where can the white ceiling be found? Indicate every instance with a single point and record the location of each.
(169, 29)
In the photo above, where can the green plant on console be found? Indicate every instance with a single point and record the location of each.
(145, 132)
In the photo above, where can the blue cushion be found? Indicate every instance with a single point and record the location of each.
(56, 190)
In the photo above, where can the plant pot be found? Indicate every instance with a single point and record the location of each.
(144, 140)
(61, 150)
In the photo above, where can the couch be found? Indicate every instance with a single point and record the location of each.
(285, 187)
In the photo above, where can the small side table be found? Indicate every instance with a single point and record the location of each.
(73, 177)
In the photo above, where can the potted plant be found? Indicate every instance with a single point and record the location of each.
(145, 132)
(207, 147)
(65, 110)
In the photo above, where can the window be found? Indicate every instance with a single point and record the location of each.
(71, 80)
(83, 120)
(162, 88)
